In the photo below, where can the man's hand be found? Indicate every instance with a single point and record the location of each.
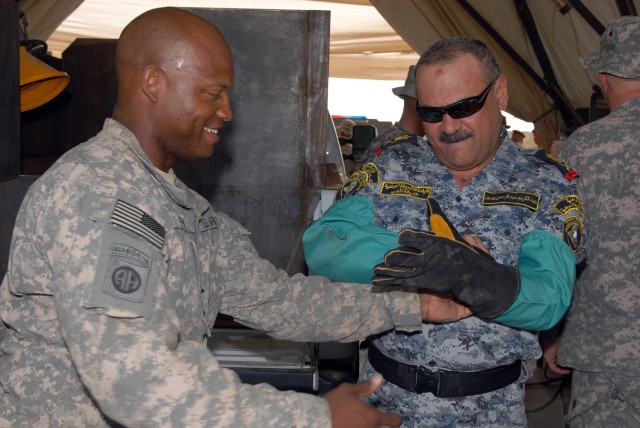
(349, 411)
(550, 355)
(441, 260)
(437, 308)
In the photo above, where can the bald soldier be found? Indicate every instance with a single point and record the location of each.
(117, 270)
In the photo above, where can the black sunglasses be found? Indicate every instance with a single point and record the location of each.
(457, 110)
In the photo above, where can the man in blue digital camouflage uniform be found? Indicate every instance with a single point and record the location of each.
(467, 179)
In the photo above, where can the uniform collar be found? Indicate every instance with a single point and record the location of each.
(633, 102)
(178, 191)
(501, 166)
(504, 160)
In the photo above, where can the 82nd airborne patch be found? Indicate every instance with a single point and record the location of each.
(127, 273)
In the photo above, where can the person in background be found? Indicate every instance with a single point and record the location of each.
(117, 270)
(556, 146)
(409, 122)
(537, 141)
(345, 129)
(600, 339)
(517, 137)
(467, 178)
(345, 137)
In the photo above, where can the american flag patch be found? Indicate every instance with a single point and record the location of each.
(137, 221)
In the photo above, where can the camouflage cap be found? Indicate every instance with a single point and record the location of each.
(409, 88)
(619, 47)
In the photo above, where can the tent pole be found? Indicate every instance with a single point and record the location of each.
(552, 90)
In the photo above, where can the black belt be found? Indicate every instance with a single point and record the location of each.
(419, 379)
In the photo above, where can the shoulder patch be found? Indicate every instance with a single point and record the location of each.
(400, 188)
(127, 273)
(371, 170)
(208, 222)
(133, 219)
(572, 233)
(401, 139)
(569, 203)
(568, 172)
(353, 185)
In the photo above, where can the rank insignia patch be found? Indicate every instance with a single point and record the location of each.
(523, 199)
(572, 232)
(399, 188)
(568, 172)
(406, 138)
(138, 222)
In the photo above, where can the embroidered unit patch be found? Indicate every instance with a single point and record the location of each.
(373, 175)
(572, 231)
(127, 273)
(399, 188)
(137, 221)
(569, 203)
(353, 185)
(523, 199)
(208, 222)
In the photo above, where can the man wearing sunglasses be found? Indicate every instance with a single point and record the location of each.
(465, 178)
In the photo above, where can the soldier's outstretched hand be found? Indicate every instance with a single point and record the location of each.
(437, 308)
(349, 411)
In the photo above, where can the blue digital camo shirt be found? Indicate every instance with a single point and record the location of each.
(517, 193)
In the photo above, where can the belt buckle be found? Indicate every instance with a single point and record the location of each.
(428, 381)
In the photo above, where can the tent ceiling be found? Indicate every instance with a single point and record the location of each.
(362, 44)
(537, 42)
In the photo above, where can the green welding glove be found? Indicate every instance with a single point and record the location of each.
(441, 261)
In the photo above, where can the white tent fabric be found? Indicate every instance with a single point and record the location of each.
(379, 39)
(362, 44)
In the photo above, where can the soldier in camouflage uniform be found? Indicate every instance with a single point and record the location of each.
(519, 205)
(601, 336)
(409, 122)
(117, 270)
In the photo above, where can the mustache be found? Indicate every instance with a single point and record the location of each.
(455, 138)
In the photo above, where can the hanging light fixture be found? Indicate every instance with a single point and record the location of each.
(39, 82)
